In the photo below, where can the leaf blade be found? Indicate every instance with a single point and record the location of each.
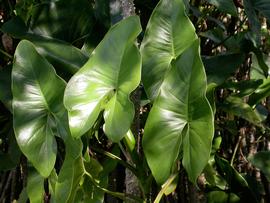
(175, 119)
(35, 107)
(163, 42)
(103, 79)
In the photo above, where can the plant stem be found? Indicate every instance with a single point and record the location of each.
(165, 187)
(6, 54)
(114, 157)
(115, 194)
(235, 149)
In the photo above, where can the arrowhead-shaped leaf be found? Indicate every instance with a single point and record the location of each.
(105, 82)
(181, 119)
(38, 110)
(169, 32)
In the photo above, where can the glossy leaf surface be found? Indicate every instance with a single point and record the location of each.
(105, 82)
(181, 119)
(38, 110)
(169, 32)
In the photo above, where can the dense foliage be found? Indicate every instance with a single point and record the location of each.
(134, 101)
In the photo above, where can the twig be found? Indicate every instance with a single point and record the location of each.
(114, 157)
(6, 54)
(235, 149)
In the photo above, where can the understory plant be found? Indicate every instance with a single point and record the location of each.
(144, 101)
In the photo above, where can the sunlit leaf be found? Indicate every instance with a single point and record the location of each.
(180, 119)
(39, 113)
(169, 32)
(105, 82)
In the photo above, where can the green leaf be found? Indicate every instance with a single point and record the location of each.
(227, 64)
(38, 110)
(238, 107)
(242, 88)
(263, 6)
(92, 193)
(35, 187)
(69, 60)
(260, 66)
(254, 22)
(70, 173)
(105, 82)
(237, 183)
(226, 6)
(262, 161)
(61, 19)
(181, 119)
(222, 197)
(260, 93)
(169, 32)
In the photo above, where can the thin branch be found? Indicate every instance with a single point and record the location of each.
(114, 157)
(6, 54)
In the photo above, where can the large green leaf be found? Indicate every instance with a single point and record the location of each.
(181, 119)
(262, 161)
(38, 110)
(225, 6)
(105, 82)
(169, 32)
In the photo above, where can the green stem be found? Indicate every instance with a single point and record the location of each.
(114, 157)
(235, 150)
(6, 54)
(119, 195)
(165, 187)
